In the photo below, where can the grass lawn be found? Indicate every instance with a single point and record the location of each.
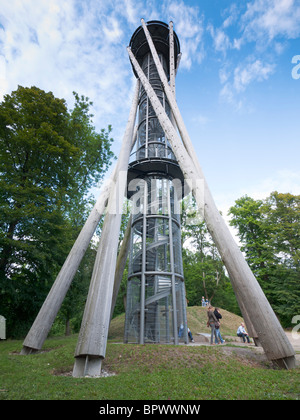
(150, 372)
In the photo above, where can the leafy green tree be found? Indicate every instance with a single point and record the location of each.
(204, 272)
(70, 314)
(282, 213)
(49, 159)
(249, 219)
(269, 234)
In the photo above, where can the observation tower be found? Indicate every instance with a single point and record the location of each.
(156, 161)
(156, 306)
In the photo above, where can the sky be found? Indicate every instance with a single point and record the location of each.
(237, 87)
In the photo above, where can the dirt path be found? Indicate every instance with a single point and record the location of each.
(249, 351)
(294, 338)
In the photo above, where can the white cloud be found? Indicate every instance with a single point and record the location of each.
(224, 74)
(189, 28)
(61, 46)
(266, 19)
(220, 39)
(237, 43)
(228, 95)
(112, 30)
(263, 21)
(270, 24)
(201, 119)
(284, 181)
(249, 72)
(66, 45)
(131, 11)
(236, 81)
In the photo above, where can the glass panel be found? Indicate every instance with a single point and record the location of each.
(142, 134)
(143, 110)
(137, 186)
(135, 265)
(177, 248)
(132, 319)
(155, 132)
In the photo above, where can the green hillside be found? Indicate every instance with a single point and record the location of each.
(197, 319)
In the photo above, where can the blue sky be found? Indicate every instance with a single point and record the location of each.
(236, 87)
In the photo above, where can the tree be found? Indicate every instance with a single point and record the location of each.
(204, 271)
(269, 233)
(249, 218)
(282, 212)
(49, 158)
(69, 317)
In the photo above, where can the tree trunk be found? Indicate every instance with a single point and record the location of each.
(68, 327)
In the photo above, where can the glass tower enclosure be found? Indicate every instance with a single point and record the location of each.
(156, 305)
(152, 142)
(155, 274)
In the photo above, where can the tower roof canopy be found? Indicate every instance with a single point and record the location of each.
(160, 35)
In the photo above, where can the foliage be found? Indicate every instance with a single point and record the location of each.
(69, 317)
(204, 272)
(49, 159)
(269, 233)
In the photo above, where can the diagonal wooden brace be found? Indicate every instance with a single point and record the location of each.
(46, 316)
(270, 333)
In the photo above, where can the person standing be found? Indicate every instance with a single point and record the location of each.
(211, 322)
(217, 326)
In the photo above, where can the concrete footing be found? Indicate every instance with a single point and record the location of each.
(87, 366)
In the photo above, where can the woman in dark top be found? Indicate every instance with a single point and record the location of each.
(212, 320)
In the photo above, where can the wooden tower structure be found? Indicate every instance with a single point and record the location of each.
(160, 156)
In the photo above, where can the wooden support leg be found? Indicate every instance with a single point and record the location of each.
(46, 316)
(121, 262)
(87, 366)
(92, 340)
